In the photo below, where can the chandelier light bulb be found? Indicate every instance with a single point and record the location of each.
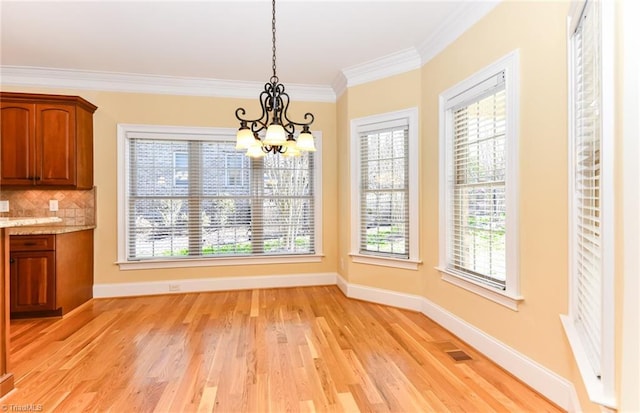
(291, 152)
(255, 151)
(305, 142)
(244, 139)
(275, 135)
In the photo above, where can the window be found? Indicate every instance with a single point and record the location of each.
(385, 197)
(187, 194)
(478, 192)
(590, 324)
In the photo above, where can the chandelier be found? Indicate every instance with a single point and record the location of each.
(273, 131)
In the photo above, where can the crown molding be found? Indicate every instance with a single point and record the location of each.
(339, 85)
(137, 83)
(389, 65)
(466, 15)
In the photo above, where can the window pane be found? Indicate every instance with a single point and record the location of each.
(203, 198)
(587, 249)
(158, 227)
(385, 193)
(288, 211)
(478, 220)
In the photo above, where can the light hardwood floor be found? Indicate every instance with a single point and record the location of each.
(274, 350)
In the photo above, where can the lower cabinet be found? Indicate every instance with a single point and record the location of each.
(51, 274)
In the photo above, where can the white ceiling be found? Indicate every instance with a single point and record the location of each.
(317, 41)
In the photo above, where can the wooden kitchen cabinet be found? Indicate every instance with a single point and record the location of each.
(32, 281)
(51, 274)
(46, 141)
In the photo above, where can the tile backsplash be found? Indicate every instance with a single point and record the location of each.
(75, 207)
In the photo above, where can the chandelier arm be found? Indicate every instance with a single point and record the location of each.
(274, 101)
(260, 123)
(274, 149)
(241, 111)
(293, 122)
(288, 126)
(306, 116)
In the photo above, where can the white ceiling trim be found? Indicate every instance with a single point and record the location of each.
(136, 83)
(339, 85)
(466, 15)
(389, 65)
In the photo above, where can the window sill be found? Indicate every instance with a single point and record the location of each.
(503, 298)
(594, 386)
(405, 264)
(218, 261)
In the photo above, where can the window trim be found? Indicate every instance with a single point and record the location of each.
(601, 391)
(510, 297)
(411, 263)
(202, 133)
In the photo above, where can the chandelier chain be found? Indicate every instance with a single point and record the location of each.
(273, 38)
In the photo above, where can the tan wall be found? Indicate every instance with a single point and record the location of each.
(114, 108)
(344, 184)
(387, 95)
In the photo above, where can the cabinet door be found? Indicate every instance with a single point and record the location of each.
(17, 144)
(56, 144)
(32, 281)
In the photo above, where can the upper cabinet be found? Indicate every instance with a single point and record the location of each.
(46, 141)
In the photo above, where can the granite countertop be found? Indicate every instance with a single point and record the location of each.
(9, 222)
(48, 229)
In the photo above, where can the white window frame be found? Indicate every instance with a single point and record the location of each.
(510, 296)
(202, 133)
(600, 390)
(630, 364)
(412, 262)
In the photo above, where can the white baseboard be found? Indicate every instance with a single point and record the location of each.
(552, 386)
(211, 284)
(380, 296)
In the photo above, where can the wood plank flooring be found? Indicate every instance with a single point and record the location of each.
(274, 350)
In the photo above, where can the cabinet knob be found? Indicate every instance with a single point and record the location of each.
(11, 260)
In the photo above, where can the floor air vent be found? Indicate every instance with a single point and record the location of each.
(458, 355)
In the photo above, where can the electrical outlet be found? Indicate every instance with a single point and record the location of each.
(53, 205)
(174, 287)
(4, 206)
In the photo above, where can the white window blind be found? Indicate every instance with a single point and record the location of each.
(587, 248)
(384, 195)
(477, 199)
(189, 198)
